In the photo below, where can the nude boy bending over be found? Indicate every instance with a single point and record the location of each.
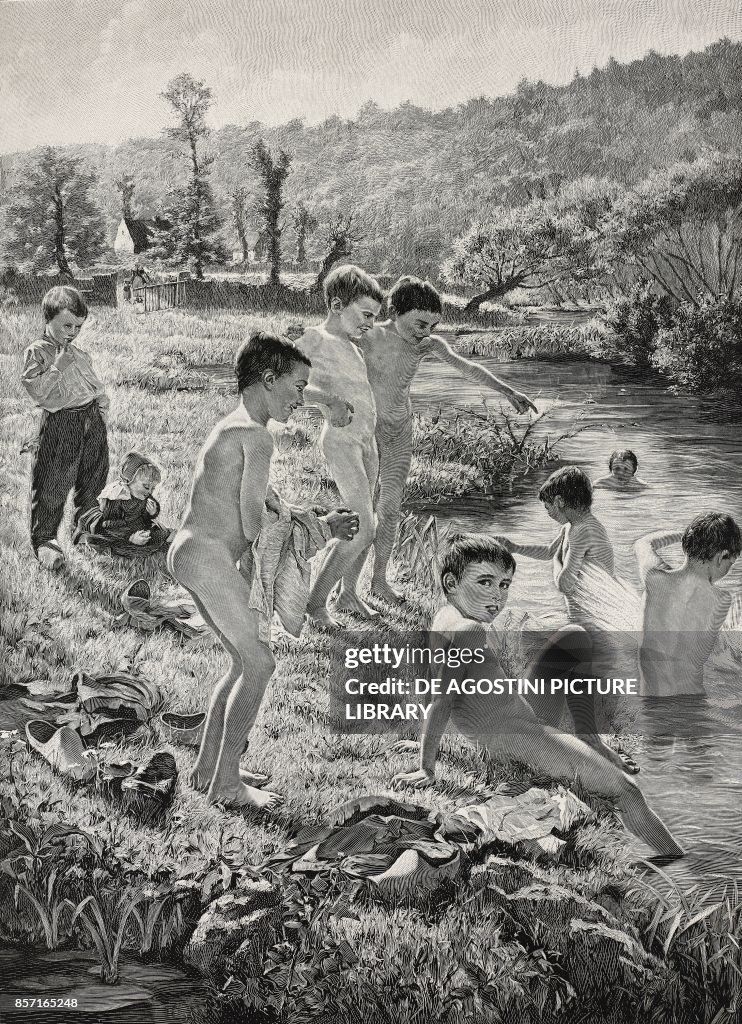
(476, 574)
(338, 385)
(394, 351)
(222, 520)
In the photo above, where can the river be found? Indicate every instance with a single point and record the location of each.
(689, 455)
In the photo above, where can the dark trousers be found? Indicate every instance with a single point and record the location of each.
(72, 453)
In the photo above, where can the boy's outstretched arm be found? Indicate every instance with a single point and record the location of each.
(543, 552)
(646, 550)
(433, 730)
(479, 375)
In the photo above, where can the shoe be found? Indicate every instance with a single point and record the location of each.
(151, 789)
(50, 555)
(62, 748)
(184, 729)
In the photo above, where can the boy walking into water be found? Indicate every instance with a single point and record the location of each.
(339, 386)
(394, 351)
(683, 609)
(567, 497)
(72, 452)
(223, 518)
(476, 574)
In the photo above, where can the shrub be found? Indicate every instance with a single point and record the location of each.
(634, 321)
(701, 349)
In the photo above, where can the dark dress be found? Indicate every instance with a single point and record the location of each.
(113, 522)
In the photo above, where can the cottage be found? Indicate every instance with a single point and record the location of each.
(136, 236)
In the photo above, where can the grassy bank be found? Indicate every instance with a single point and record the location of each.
(579, 938)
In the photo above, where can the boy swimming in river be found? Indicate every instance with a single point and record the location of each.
(683, 610)
(338, 385)
(623, 466)
(476, 574)
(223, 518)
(394, 350)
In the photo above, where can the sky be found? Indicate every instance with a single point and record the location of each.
(93, 70)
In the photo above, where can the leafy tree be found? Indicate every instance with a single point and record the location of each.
(193, 236)
(125, 185)
(305, 225)
(682, 228)
(341, 237)
(51, 219)
(529, 246)
(273, 174)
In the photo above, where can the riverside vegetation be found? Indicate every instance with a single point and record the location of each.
(584, 936)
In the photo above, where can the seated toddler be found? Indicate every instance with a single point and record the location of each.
(125, 519)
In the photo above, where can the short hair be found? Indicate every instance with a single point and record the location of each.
(625, 455)
(63, 296)
(263, 351)
(711, 534)
(464, 549)
(348, 283)
(571, 485)
(412, 293)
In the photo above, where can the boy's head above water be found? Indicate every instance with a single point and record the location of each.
(713, 540)
(623, 464)
(278, 368)
(353, 298)
(566, 493)
(416, 308)
(64, 311)
(476, 573)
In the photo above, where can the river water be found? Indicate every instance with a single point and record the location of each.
(690, 457)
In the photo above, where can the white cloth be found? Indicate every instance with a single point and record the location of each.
(281, 575)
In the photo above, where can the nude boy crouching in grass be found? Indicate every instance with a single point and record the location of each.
(476, 573)
(223, 518)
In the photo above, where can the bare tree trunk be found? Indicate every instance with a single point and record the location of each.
(495, 291)
(60, 254)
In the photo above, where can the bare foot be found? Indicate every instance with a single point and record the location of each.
(240, 795)
(321, 617)
(382, 589)
(348, 601)
(605, 751)
(257, 781)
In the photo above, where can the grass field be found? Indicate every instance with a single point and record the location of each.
(467, 958)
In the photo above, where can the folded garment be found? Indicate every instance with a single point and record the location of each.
(400, 848)
(281, 573)
(142, 611)
(108, 707)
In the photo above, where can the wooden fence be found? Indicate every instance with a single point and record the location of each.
(166, 295)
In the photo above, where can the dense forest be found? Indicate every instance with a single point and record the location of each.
(414, 179)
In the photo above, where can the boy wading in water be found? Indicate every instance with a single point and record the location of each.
(223, 518)
(394, 351)
(338, 385)
(476, 573)
(683, 610)
(567, 498)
